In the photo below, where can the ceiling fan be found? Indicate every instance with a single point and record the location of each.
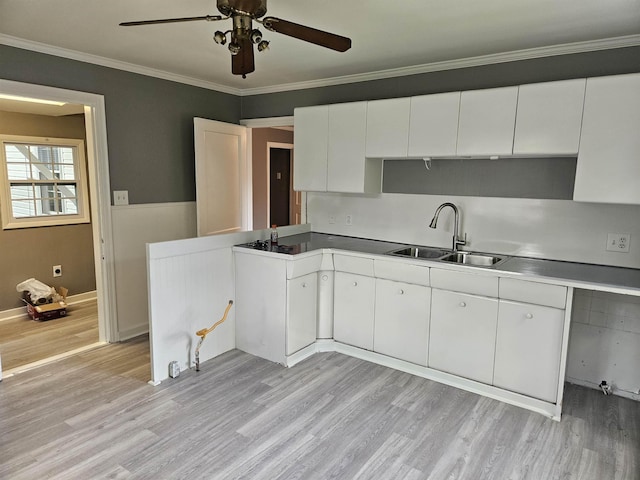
(243, 36)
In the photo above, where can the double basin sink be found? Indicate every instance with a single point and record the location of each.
(460, 258)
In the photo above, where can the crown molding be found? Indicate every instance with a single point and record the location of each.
(117, 64)
(513, 56)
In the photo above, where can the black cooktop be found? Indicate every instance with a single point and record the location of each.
(267, 246)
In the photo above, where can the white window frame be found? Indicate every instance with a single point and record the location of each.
(80, 166)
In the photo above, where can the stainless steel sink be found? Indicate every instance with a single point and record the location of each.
(475, 259)
(420, 252)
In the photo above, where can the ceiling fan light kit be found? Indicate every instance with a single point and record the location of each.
(243, 36)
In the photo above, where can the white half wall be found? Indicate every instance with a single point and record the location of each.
(133, 227)
(552, 229)
(190, 284)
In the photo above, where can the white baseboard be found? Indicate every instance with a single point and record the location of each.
(133, 332)
(71, 300)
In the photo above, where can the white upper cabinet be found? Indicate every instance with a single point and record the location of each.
(388, 128)
(433, 125)
(609, 159)
(487, 122)
(310, 133)
(348, 170)
(330, 150)
(549, 118)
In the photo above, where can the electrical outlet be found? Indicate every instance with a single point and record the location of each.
(332, 219)
(57, 270)
(618, 242)
(348, 219)
(121, 197)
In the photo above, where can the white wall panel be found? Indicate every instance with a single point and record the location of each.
(605, 342)
(553, 229)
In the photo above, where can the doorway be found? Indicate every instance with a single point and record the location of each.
(284, 203)
(98, 176)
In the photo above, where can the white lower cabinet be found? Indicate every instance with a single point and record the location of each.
(275, 315)
(353, 309)
(402, 313)
(302, 305)
(463, 333)
(528, 349)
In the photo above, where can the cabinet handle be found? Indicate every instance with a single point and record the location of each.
(401, 292)
(325, 278)
(355, 284)
(463, 304)
(529, 315)
(304, 285)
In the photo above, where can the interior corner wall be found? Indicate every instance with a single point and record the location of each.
(32, 252)
(259, 139)
(149, 120)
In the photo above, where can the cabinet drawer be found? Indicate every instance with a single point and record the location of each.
(464, 282)
(401, 272)
(303, 266)
(357, 265)
(533, 292)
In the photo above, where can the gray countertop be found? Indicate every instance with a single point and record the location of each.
(617, 279)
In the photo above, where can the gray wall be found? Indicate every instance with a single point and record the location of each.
(592, 64)
(149, 120)
(31, 252)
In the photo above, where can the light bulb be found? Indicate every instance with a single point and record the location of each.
(220, 38)
(256, 36)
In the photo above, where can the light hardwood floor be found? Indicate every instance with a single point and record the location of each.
(24, 341)
(92, 416)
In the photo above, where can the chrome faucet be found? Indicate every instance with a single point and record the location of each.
(434, 222)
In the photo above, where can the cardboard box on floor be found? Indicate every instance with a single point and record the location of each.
(48, 311)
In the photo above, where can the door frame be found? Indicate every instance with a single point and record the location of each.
(284, 146)
(269, 122)
(99, 192)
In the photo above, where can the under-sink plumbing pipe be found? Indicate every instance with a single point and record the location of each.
(205, 331)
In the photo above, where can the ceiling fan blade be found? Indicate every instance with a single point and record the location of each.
(243, 62)
(308, 34)
(208, 18)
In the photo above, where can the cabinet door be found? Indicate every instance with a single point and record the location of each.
(433, 125)
(353, 309)
(608, 168)
(487, 121)
(402, 321)
(346, 157)
(549, 118)
(301, 315)
(311, 131)
(463, 334)
(528, 347)
(388, 128)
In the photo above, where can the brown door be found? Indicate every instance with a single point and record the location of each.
(279, 181)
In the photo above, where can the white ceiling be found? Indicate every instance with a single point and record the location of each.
(386, 35)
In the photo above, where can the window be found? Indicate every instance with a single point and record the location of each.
(43, 182)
